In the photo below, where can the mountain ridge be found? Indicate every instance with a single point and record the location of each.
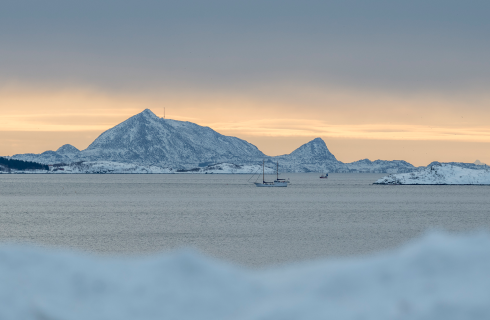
(148, 140)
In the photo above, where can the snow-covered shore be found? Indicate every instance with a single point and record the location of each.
(439, 276)
(440, 174)
(87, 167)
(229, 168)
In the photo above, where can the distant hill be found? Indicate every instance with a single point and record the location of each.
(7, 164)
(478, 162)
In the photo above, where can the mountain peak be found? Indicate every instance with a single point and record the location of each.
(315, 149)
(67, 149)
(318, 140)
(150, 140)
(147, 112)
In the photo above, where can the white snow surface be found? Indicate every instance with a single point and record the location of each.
(230, 168)
(439, 276)
(440, 174)
(107, 167)
(123, 168)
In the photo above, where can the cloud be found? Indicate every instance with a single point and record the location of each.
(335, 113)
(126, 45)
(364, 70)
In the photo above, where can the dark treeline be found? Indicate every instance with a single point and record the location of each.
(21, 165)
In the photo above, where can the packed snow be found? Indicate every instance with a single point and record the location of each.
(440, 174)
(439, 276)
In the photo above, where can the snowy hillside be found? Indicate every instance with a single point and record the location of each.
(147, 140)
(380, 166)
(473, 166)
(440, 174)
(47, 157)
(107, 167)
(437, 277)
(150, 140)
(229, 168)
(313, 156)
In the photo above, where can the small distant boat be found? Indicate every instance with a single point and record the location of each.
(324, 176)
(277, 183)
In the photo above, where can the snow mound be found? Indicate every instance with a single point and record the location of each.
(440, 174)
(440, 276)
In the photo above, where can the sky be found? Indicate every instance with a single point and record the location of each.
(375, 79)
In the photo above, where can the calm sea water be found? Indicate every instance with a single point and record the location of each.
(227, 217)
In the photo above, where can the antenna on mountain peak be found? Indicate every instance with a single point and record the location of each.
(163, 112)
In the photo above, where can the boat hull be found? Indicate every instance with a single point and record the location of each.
(282, 181)
(270, 185)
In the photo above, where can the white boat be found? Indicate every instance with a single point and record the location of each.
(277, 183)
(324, 176)
(278, 180)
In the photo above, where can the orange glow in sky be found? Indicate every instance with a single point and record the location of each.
(354, 124)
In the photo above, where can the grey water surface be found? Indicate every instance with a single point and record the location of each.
(227, 217)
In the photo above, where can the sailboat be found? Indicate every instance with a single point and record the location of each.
(279, 180)
(277, 183)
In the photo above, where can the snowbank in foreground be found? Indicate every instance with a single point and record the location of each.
(437, 277)
(439, 174)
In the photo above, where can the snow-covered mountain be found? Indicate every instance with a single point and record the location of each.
(150, 140)
(440, 174)
(65, 154)
(147, 140)
(313, 156)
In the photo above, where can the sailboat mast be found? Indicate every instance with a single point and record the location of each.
(263, 171)
(277, 170)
